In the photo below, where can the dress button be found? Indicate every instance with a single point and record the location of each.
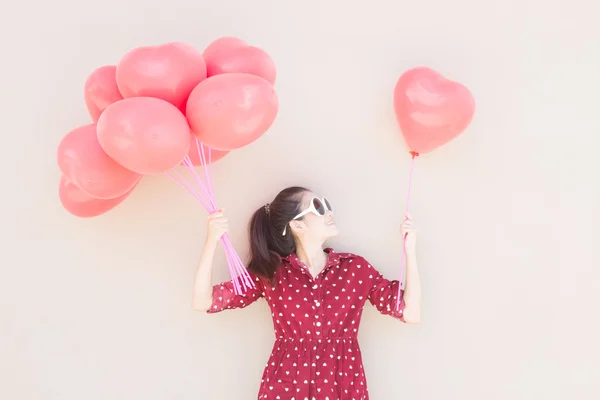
(318, 324)
(315, 286)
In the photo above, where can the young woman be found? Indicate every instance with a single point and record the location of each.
(316, 296)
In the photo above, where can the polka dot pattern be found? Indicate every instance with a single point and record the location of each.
(316, 355)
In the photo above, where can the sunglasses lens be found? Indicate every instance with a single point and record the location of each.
(319, 206)
(328, 204)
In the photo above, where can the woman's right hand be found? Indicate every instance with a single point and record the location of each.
(217, 226)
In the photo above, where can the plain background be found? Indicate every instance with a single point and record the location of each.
(507, 213)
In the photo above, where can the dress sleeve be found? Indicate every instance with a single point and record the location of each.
(224, 297)
(383, 294)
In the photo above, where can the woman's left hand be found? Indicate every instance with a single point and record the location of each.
(409, 233)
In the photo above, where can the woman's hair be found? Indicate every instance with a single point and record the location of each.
(267, 242)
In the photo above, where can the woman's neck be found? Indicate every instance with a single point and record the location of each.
(312, 255)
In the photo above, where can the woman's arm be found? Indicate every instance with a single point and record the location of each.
(412, 287)
(203, 287)
(216, 298)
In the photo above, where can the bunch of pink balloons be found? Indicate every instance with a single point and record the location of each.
(150, 108)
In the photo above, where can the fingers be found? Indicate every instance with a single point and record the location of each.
(217, 220)
(407, 223)
(218, 228)
(217, 214)
(407, 226)
(408, 229)
(218, 223)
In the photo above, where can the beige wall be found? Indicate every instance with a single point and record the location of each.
(508, 213)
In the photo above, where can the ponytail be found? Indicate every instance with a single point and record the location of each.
(267, 243)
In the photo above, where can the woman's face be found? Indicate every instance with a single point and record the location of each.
(317, 227)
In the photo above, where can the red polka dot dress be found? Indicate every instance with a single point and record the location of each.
(316, 355)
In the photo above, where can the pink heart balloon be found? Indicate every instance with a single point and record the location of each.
(80, 204)
(215, 49)
(230, 55)
(100, 90)
(430, 109)
(230, 111)
(168, 72)
(144, 134)
(82, 160)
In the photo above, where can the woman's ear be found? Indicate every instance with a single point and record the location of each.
(297, 226)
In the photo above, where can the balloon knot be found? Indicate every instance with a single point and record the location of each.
(414, 154)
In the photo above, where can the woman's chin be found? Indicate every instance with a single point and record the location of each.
(333, 231)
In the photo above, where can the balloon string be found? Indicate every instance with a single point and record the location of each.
(187, 163)
(403, 258)
(206, 167)
(242, 273)
(231, 262)
(206, 197)
(181, 181)
(236, 266)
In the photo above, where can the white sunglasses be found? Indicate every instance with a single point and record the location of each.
(317, 206)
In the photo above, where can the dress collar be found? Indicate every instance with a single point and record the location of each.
(333, 258)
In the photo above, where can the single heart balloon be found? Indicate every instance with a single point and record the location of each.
(218, 46)
(168, 72)
(144, 134)
(230, 111)
(430, 109)
(229, 54)
(83, 161)
(81, 204)
(100, 90)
